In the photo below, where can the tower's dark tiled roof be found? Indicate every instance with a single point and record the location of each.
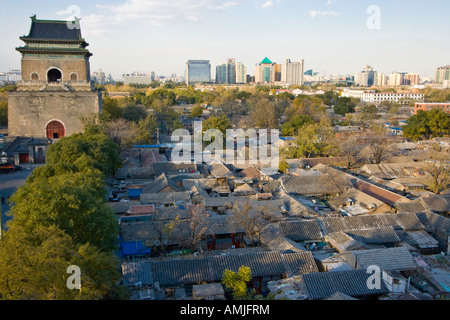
(53, 30)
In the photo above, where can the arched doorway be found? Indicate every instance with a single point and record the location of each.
(55, 130)
(54, 75)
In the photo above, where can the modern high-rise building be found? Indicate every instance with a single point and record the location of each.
(442, 74)
(381, 79)
(226, 73)
(292, 72)
(241, 73)
(397, 79)
(367, 77)
(198, 71)
(411, 79)
(267, 72)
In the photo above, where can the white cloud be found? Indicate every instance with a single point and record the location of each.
(315, 13)
(152, 12)
(269, 3)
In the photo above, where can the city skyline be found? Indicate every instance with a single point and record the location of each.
(333, 37)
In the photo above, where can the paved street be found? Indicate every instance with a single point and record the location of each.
(8, 185)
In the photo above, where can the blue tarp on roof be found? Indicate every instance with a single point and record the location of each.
(134, 193)
(134, 247)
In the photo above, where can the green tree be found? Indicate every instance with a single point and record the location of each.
(197, 111)
(33, 266)
(3, 114)
(292, 127)
(134, 113)
(220, 123)
(111, 109)
(237, 282)
(344, 105)
(93, 150)
(314, 140)
(72, 200)
(427, 125)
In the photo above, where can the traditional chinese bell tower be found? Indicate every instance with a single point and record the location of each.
(55, 91)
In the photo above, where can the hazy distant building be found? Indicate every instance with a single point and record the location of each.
(267, 72)
(292, 72)
(396, 79)
(367, 77)
(226, 73)
(381, 79)
(241, 73)
(137, 78)
(99, 77)
(442, 74)
(411, 79)
(198, 71)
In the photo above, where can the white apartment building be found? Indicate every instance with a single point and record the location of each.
(136, 78)
(292, 72)
(241, 73)
(379, 97)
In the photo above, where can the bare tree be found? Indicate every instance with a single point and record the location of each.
(193, 229)
(349, 150)
(438, 166)
(121, 131)
(378, 150)
(251, 220)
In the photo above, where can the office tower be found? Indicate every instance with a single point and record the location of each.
(267, 71)
(292, 72)
(367, 77)
(226, 73)
(198, 71)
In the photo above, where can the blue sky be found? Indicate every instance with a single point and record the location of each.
(161, 35)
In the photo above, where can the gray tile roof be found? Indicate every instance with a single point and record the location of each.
(319, 184)
(211, 268)
(301, 230)
(438, 203)
(260, 263)
(381, 235)
(390, 259)
(299, 263)
(434, 222)
(182, 271)
(351, 282)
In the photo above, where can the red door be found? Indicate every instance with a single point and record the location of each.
(24, 158)
(211, 243)
(55, 130)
